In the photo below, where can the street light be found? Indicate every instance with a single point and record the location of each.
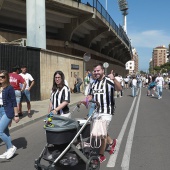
(123, 6)
(86, 58)
(106, 5)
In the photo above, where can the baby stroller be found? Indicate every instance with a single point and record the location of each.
(62, 141)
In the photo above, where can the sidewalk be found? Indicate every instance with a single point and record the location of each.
(39, 111)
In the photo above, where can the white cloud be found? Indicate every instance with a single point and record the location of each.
(149, 39)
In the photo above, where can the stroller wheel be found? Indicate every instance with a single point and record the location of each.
(93, 163)
(36, 165)
(52, 167)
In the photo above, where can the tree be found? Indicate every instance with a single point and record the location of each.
(142, 72)
(157, 68)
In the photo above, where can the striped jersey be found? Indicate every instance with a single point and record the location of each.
(103, 92)
(58, 97)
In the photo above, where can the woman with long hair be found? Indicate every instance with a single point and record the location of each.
(8, 111)
(60, 96)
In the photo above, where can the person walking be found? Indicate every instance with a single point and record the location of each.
(60, 96)
(102, 91)
(92, 105)
(8, 111)
(151, 87)
(134, 86)
(126, 80)
(117, 93)
(16, 80)
(159, 85)
(86, 84)
(25, 94)
(78, 83)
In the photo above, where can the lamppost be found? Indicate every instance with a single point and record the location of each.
(123, 6)
(106, 5)
(86, 58)
(105, 65)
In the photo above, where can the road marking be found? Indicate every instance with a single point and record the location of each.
(113, 157)
(127, 152)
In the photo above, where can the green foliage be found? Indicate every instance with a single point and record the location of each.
(163, 68)
(142, 72)
(157, 69)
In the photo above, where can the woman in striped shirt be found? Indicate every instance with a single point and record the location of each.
(60, 96)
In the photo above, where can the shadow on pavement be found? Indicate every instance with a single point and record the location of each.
(20, 143)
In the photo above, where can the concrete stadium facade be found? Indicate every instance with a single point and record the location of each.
(71, 29)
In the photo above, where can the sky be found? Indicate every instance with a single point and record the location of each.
(148, 25)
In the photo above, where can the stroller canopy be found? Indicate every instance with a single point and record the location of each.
(62, 123)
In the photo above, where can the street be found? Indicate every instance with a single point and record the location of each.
(140, 124)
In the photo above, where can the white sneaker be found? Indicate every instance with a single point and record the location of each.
(3, 156)
(11, 152)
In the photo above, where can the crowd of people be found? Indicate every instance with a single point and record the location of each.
(15, 88)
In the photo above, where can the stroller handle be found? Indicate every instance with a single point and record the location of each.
(97, 104)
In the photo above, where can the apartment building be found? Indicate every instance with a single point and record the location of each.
(135, 58)
(159, 56)
(133, 65)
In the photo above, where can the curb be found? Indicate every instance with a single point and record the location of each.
(24, 124)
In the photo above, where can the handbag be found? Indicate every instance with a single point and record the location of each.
(98, 132)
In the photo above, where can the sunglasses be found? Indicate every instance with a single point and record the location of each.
(2, 77)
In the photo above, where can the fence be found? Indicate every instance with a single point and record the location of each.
(11, 55)
(98, 6)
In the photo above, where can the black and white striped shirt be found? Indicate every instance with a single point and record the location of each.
(103, 92)
(58, 97)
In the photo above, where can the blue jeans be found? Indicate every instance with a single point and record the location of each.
(134, 91)
(159, 91)
(92, 107)
(4, 131)
(25, 96)
(139, 84)
(78, 87)
(18, 96)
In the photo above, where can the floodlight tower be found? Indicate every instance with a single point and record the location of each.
(123, 6)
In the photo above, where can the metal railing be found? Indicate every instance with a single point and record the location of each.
(119, 30)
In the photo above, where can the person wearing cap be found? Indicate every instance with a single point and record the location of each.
(26, 93)
(15, 81)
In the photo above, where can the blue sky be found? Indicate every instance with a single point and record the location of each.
(148, 25)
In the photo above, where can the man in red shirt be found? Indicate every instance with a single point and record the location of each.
(16, 80)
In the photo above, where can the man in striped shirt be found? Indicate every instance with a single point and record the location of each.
(102, 91)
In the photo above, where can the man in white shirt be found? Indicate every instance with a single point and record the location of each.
(134, 86)
(119, 79)
(26, 93)
(159, 85)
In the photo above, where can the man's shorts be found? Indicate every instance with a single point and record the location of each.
(25, 96)
(103, 116)
(18, 96)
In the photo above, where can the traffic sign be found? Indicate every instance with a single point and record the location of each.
(105, 65)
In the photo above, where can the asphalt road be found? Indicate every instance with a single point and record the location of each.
(141, 124)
